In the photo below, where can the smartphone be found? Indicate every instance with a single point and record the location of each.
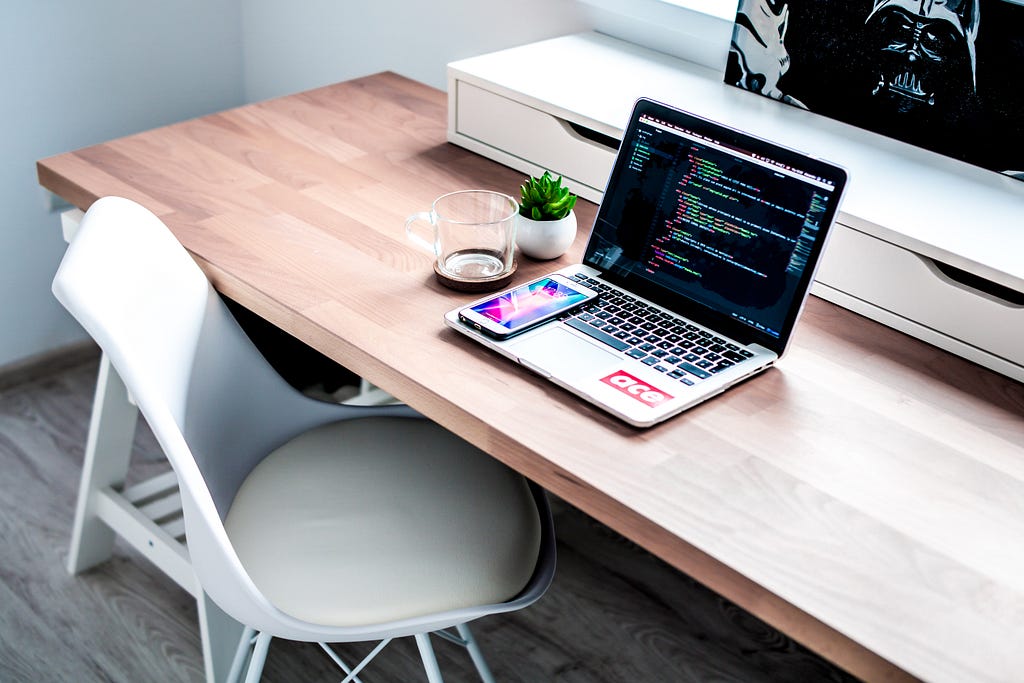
(516, 310)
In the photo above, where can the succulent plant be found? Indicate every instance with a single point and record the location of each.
(544, 198)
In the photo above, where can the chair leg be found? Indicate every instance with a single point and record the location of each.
(475, 653)
(428, 657)
(352, 676)
(222, 639)
(245, 644)
(259, 656)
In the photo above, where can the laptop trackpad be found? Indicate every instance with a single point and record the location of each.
(557, 351)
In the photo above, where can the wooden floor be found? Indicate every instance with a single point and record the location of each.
(614, 613)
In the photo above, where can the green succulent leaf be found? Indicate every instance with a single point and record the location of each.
(545, 198)
(556, 205)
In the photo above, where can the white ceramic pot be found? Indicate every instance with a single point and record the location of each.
(546, 239)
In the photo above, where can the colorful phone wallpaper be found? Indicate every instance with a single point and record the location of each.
(525, 304)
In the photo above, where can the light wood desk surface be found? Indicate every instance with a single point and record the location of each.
(866, 497)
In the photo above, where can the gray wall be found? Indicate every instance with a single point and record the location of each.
(291, 46)
(76, 73)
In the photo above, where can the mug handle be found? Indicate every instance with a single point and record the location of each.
(413, 236)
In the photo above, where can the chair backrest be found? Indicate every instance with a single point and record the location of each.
(190, 367)
(214, 404)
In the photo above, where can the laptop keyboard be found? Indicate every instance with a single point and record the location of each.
(669, 344)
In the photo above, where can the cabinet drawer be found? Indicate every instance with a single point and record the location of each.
(534, 136)
(912, 286)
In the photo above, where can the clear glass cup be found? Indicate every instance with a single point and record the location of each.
(474, 233)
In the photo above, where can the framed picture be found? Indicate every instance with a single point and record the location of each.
(946, 75)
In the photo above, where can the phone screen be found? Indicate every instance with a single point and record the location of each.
(525, 305)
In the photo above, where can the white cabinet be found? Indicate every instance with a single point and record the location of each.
(926, 244)
(497, 125)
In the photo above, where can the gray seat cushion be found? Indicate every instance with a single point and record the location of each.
(372, 520)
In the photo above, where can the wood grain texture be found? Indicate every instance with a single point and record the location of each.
(866, 497)
(614, 613)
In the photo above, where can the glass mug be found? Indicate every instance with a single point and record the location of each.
(474, 233)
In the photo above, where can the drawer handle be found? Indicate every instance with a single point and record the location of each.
(592, 135)
(964, 279)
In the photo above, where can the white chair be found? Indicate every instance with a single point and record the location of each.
(305, 520)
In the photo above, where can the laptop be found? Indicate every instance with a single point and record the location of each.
(703, 251)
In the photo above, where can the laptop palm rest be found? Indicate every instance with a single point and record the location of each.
(558, 352)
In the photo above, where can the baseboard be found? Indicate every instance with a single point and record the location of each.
(47, 363)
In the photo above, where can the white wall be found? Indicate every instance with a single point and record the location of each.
(695, 30)
(76, 73)
(292, 46)
(295, 46)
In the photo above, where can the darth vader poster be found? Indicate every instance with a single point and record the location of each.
(946, 75)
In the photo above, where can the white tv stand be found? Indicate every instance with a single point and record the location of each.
(925, 244)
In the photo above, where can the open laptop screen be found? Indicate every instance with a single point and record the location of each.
(713, 223)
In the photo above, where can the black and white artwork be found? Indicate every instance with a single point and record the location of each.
(946, 75)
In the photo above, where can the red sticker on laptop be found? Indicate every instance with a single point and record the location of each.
(636, 388)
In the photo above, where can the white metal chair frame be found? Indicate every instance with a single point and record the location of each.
(121, 267)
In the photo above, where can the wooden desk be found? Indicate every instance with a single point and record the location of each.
(866, 497)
